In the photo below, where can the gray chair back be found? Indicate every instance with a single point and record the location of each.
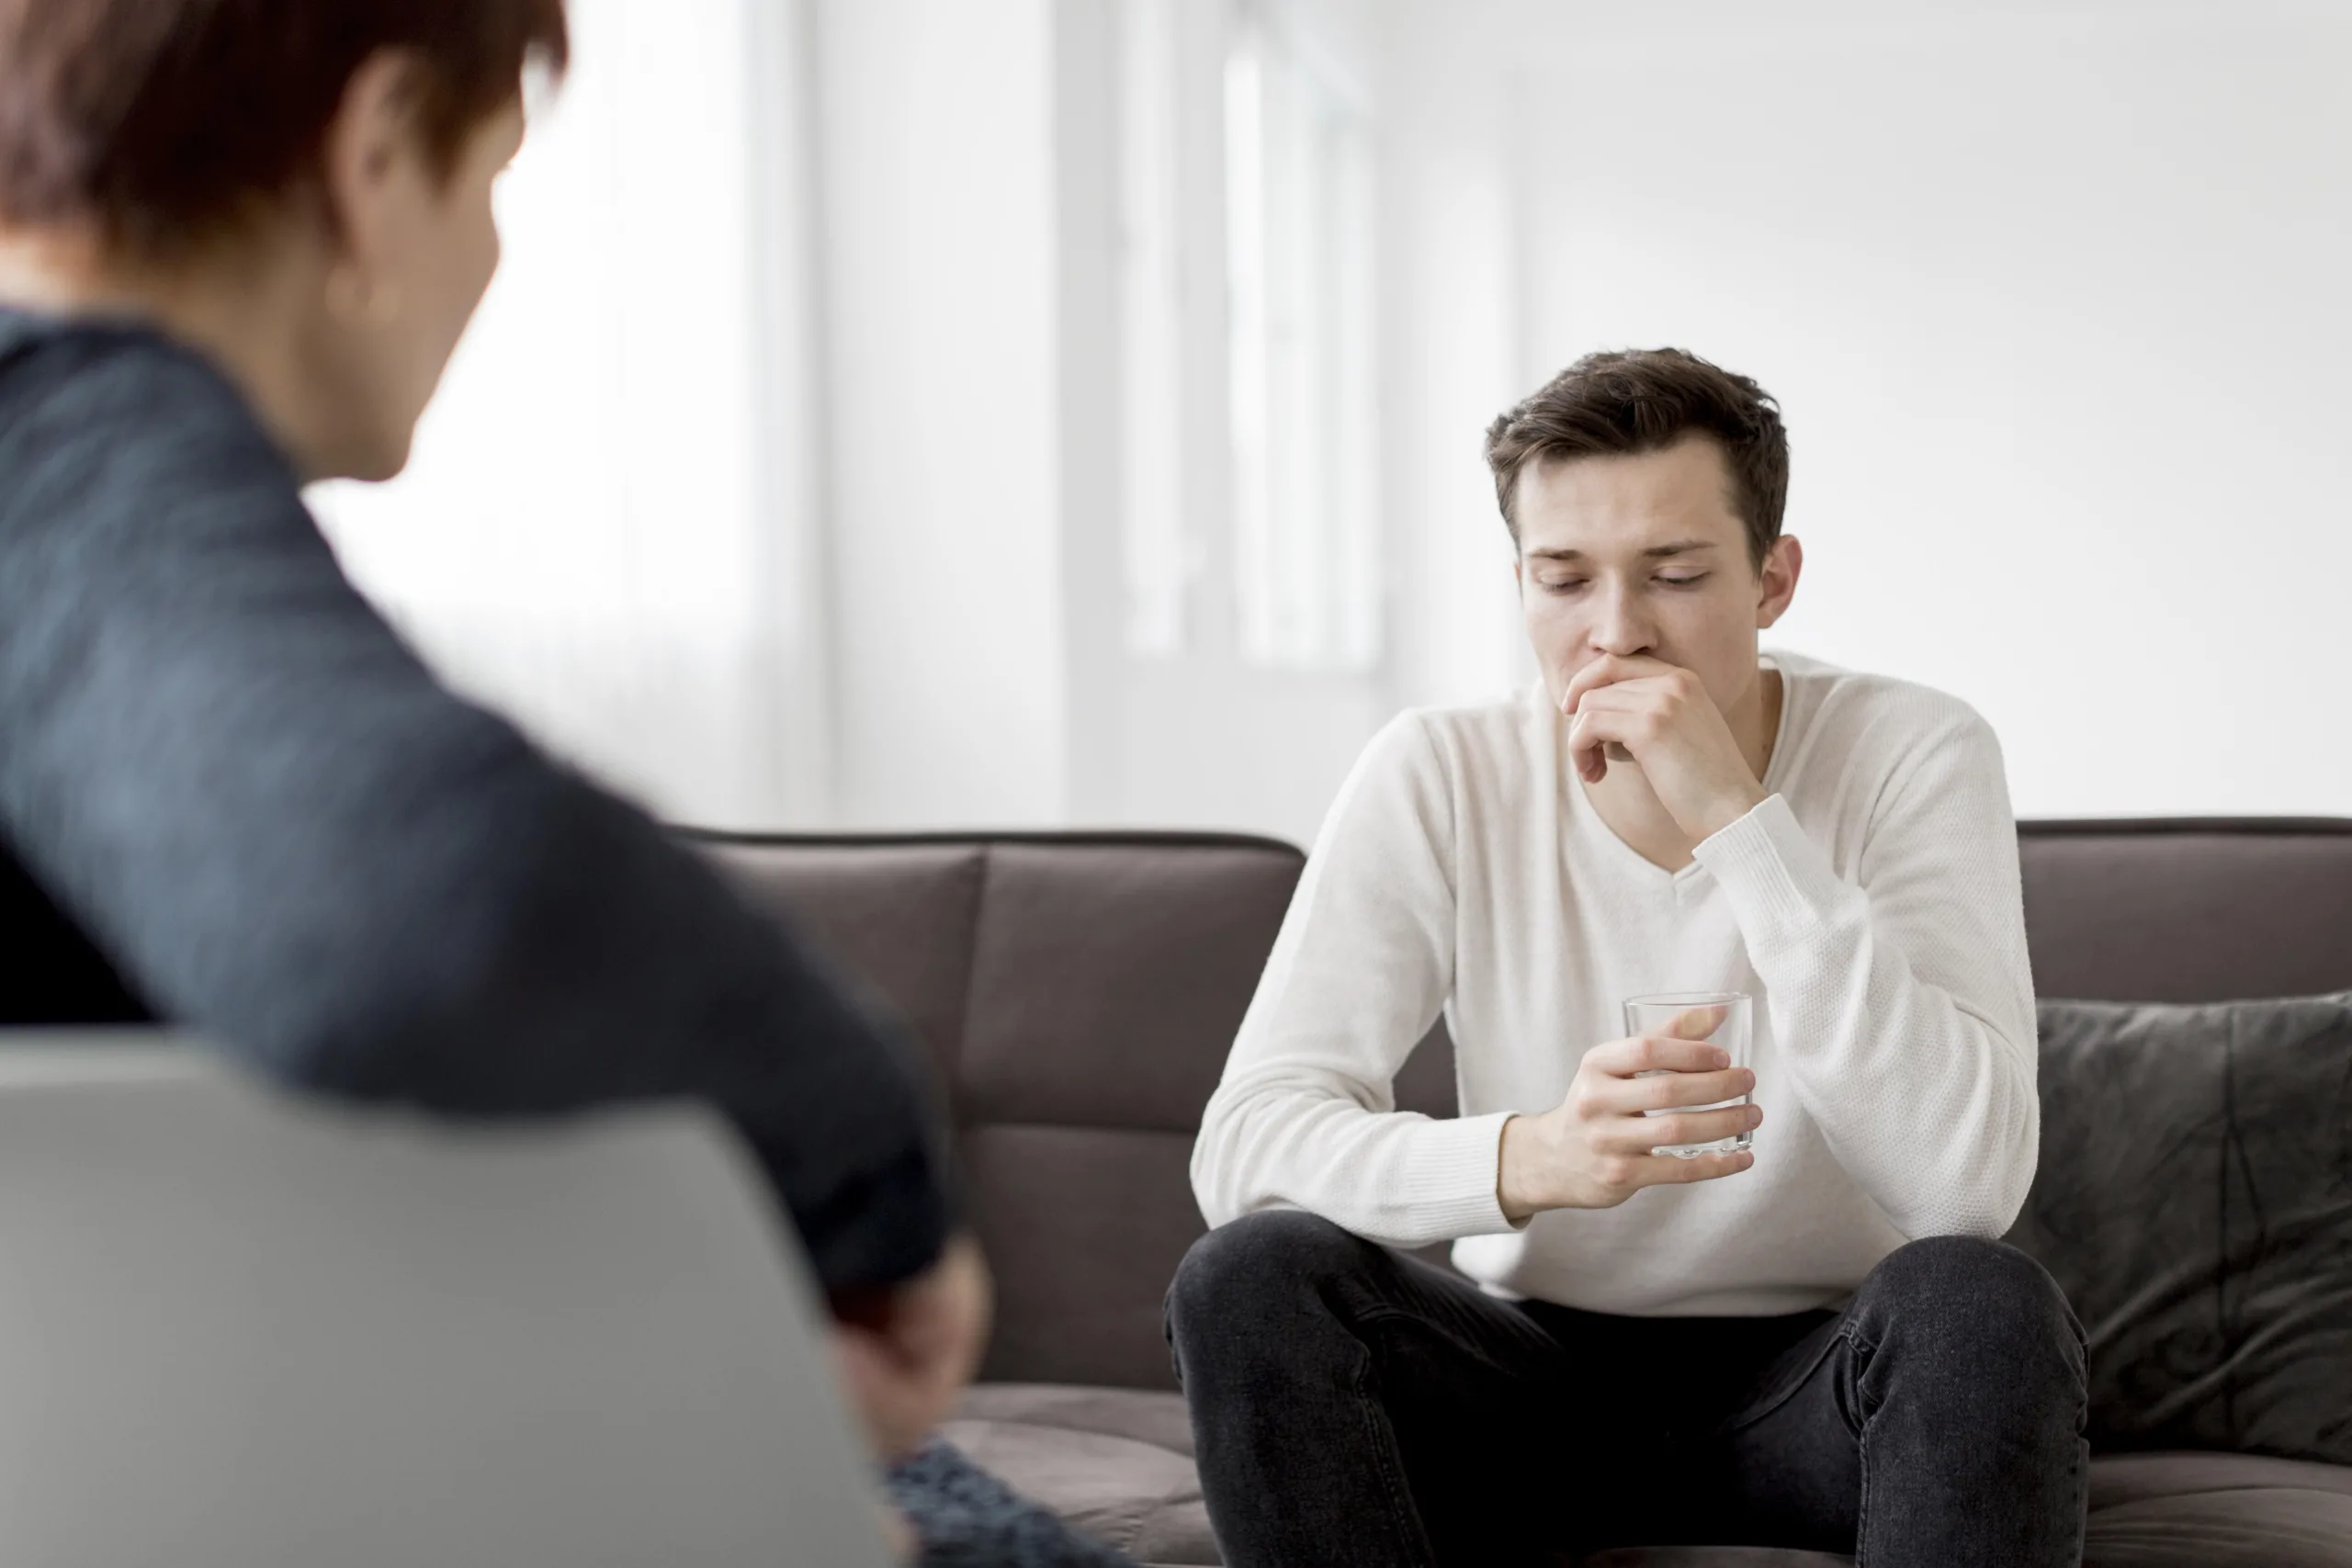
(237, 1333)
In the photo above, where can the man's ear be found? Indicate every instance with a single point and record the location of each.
(1783, 564)
(373, 131)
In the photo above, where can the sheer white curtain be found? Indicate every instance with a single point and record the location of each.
(608, 528)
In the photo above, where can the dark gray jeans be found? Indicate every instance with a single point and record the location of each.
(1361, 1409)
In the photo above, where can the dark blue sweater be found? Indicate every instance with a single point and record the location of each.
(230, 796)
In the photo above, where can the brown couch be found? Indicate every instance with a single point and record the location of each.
(1078, 993)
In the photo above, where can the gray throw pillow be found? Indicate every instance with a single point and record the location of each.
(2195, 1200)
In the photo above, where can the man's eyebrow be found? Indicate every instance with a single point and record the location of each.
(1656, 552)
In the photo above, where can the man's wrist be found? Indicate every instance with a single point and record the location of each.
(1730, 809)
(1518, 1206)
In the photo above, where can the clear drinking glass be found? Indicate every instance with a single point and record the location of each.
(1658, 1015)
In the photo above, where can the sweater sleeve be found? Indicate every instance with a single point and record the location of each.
(1304, 1117)
(1901, 1002)
(221, 762)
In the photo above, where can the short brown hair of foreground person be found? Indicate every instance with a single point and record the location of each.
(1628, 402)
(163, 122)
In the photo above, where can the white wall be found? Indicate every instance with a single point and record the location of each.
(2055, 300)
(1455, 351)
(938, 218)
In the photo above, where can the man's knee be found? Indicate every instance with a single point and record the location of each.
(1973, 1296)
(1263, 1268)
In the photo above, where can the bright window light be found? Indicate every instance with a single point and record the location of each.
(1299, 240)
(583, 534)
(1159, 552)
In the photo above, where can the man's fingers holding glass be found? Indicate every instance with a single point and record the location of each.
(1664, 1170)
(1636, 1094)
(1669, 1091)
(1697, 1023)
(1639, 1135)
(1657, 1053)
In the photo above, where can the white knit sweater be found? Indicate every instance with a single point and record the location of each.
(1872, 905)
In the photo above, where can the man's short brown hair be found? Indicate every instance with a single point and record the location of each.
(1627, 401)
(164, 122)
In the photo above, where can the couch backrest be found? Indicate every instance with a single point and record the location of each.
(1078, 993)
(2188, 910)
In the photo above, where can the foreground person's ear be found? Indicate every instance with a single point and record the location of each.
(367, 166)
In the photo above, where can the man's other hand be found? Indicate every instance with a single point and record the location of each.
(1593, 1150)
(907, 1352)
(1662, 717)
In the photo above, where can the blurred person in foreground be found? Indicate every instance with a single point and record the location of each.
(1817, 1343)
(239, 240)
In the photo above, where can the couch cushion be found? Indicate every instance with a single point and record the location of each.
(2194, 1203)
(2195, 1510)
(1118, 1463)
(1710, 1557)
(2120, 1480)
(1083, 1227)
(2275, 1522)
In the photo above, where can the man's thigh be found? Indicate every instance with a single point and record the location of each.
(1354, 1363)
(1489, 1413)
(1955, 1356)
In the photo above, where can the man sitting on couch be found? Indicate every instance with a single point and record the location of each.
(1814, 1344)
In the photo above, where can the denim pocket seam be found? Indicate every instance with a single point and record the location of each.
(1788, 1388)
(1372, 1316)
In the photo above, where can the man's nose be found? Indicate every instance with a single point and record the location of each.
(1620, 626)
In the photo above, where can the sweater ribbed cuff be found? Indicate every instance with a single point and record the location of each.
(1780, 883)
(1451, 1175)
